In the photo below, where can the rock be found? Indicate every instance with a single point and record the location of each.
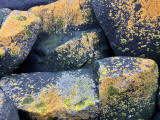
(17, 36)
(131, 26)
(22, 4)
(66, 16)
(69, 95)
(7, 109)
(127, 88)
(157, 117)
(71, 38)
(3, 14)
(59, 52)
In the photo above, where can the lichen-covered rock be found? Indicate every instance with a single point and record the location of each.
(132, 26)
(3, 14)
(71, 37)
(66, 15)
(67, 52)
(127, 87)
(8, 111)
(17, 35)
(47, 95)
(22, 4)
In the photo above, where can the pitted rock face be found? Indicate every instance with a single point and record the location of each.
(127, 87)
(131, 26)
(7, 109)
(68, 95)
(17, 36)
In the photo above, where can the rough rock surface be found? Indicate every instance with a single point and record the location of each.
(72, 38)
(47, 95)
(66, 52)
(127, 88)
(17, 36)
(131, 26)
(8, 111)
(3, 14)
(22, 4)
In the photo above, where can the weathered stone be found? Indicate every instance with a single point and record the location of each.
(47, 95)
(71, 38)
(127, 88)
(17, 36)
(8, 111)
(59, 52)
(132, 26)
(3, 14)
(66, 16)
(22, 4)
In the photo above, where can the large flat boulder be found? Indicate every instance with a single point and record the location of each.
(17, 36)
(66, 95)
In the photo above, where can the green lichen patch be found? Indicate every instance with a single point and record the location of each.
(21, 18)
(27, 31)
(27, 100)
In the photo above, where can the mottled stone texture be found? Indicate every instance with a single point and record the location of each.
(67, 52)
(3, 14)
(68, 95)
(127, 88)
(71, 37)
(132, 26)
(17, 36)
(8, 111)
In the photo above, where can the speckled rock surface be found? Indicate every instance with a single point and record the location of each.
(67, 52)
(3, 14)
(131, 26)
(17, 36)
(127, 88)
(22, 4)
(8, 111)
(47, 95)
(71, 38)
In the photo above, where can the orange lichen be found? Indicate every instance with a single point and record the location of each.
(47, 104)
(69, 12)
(12, 31)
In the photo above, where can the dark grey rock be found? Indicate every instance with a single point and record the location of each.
(131, 26)
(59, 52)
(22, 4)
(8, 111)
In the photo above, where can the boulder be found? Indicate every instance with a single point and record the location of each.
(131, 26)
(22, 4)
(3, 14)
(17, 36)
(8, 111)
(71, 38)
(65, 95)
(59, 52)
(127, 89)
